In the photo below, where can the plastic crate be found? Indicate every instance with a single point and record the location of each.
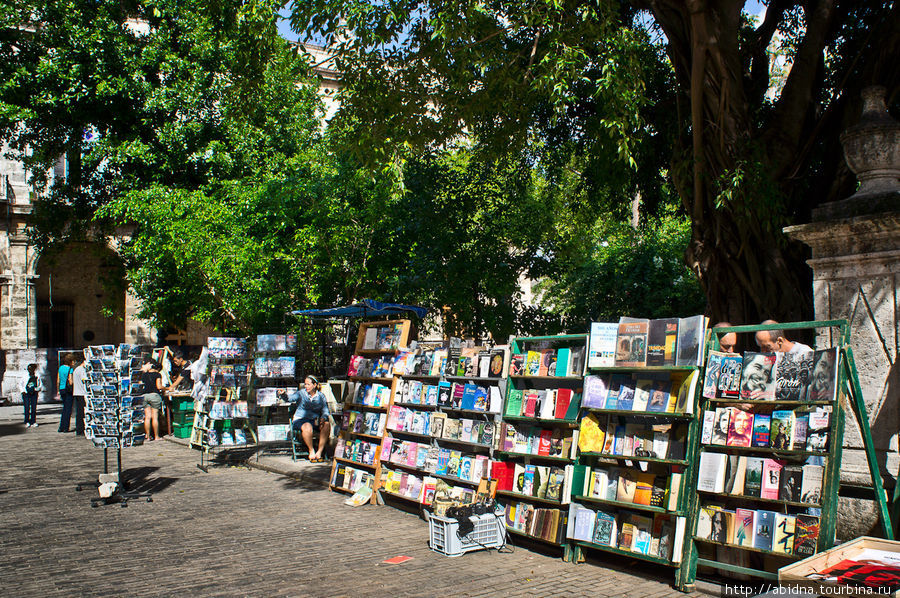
(181, 431)
(183, 417)
(488, 533)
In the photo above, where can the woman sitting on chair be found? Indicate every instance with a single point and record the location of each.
(312, 410)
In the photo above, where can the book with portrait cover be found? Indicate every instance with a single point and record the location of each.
(729, 383)
(691, 332)
(793, 376)
(824, 375)
(781, 432)
(758, 376)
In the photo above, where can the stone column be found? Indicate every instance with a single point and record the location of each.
(137, 330)
(856, 276)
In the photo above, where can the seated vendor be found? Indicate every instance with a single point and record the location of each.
(312, 410)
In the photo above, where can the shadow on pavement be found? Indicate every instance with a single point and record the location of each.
(138, 480)
(302, 485)
(12, 429)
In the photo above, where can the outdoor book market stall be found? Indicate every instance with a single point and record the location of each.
(638, 438)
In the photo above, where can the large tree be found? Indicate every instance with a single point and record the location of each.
(752, 148)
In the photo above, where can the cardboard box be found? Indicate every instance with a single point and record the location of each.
(795, 574)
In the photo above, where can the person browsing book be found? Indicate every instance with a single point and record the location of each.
(151, 389)
(312, 411)
(770, 341)
(183, 379)
(727, 340)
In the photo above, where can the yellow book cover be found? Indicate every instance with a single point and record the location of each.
(591, 435)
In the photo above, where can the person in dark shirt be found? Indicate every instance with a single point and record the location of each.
(183, 378)
(151, 389)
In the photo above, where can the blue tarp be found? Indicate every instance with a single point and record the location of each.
(364, 309)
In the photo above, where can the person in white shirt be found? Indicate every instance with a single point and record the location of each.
(78, 393)
(771, 341)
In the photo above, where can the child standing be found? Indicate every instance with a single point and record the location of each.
(30, 391)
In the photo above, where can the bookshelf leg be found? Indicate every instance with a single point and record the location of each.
(862, 417)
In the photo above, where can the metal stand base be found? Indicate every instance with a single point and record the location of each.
(122, 494)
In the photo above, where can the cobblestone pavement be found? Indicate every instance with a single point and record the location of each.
(239, 532)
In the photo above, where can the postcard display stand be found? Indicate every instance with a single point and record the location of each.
(228, 381)
(111, 413)
(775, 501)
(357, 462)
(276, 390)
(441, 426)
(538, 435)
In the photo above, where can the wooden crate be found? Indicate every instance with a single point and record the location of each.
(794, 575)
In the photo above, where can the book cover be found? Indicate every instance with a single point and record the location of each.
(481, 398)
(548, 404)
(643, 488)
(612, 483)
(740, 428)
(704, 522)
(758, 376)
(781, 433)
(658, 491)
(641, 395)
(499, 357)
(625, 399)
(660, 392)
(584, 522)
(753, 476)
(513, 402)
(555, 480)
(532, 363)
(662, 537)
(468, 398)
(631, 342)
(729, 383)
(444, 395)
(685, 395)
(517, 364)
(793, 375)
(674, 492)
(784, 533)
(801, 430)
(691, 332)
(711, 474)
(722, 422)
(547, 355)
(602, 344)
(642, 538)
(612, 396)
(591, 437)
(824, 375)
(626, 535)
(761, 424)
(595, 392)
(660, 445)
(817, 429)
(745, 520)
(791, 480)
(627, 485)
(771, 479)
(706, 431)
(659, 351)
(806, 535)
(765, 530)
(811, 484)
(737, 475)
(605, 532)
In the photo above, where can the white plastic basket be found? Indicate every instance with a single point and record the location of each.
(488, 533)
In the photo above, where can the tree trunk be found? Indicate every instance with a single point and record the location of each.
(746, 265)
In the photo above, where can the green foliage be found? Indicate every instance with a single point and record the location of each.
(639, 273)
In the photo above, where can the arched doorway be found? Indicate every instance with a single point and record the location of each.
(76, 291)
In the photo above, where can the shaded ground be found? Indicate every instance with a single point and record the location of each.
(240, 532)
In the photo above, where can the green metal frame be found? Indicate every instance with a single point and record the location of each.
(516, 345)
(688, 484)
(847, 386)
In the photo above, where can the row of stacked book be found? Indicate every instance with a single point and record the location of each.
(371, 395)
(350, 478)
(369, 423)
(561, 363)
(638, 342)
(423, 488)
(553, 403)
(760, 529)
(621, 436)
(526, 439)
(653, 535)
(547, 482)
(659, 489)
(436, 460)
(438, 425)
(808, 376)
(781, 429)
(659, 392)
(538, 522)
(761, 477)
(450, 395)
(466, 362)
(358, 451)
